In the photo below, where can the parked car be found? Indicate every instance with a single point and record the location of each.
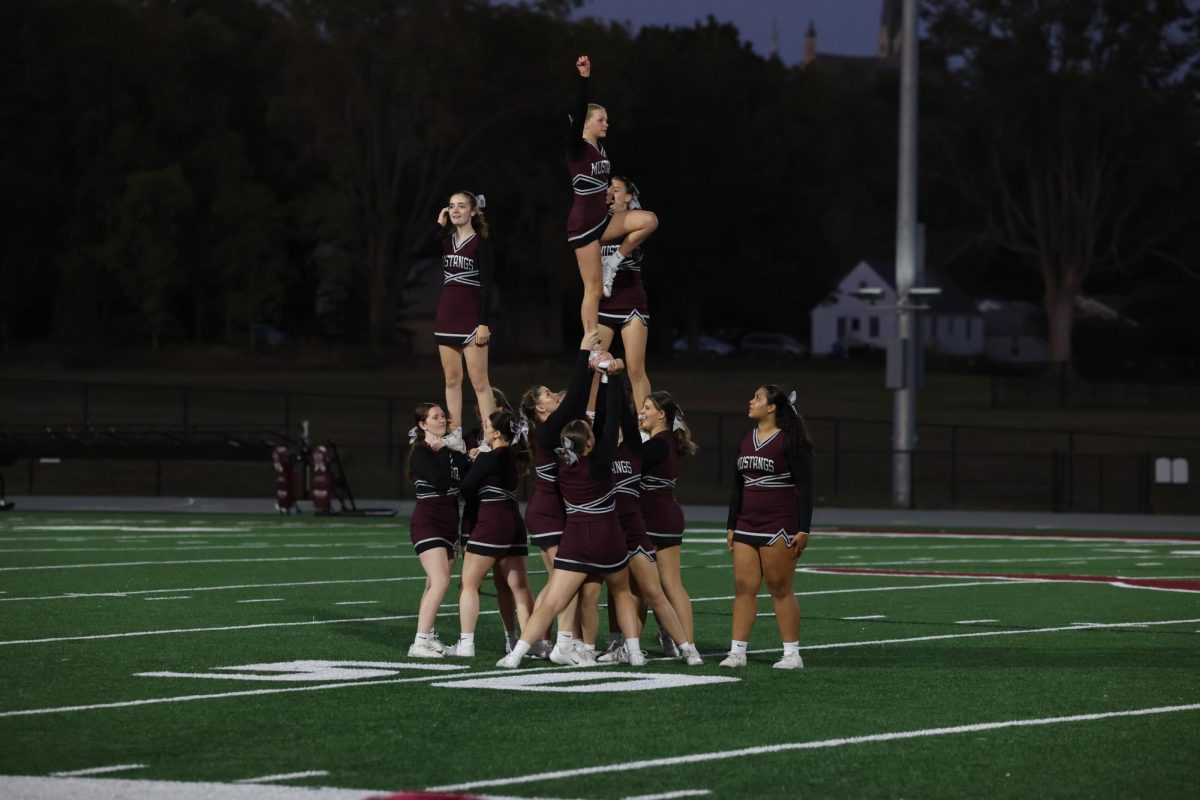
(772, 344)
(268, 334)
(705, 346)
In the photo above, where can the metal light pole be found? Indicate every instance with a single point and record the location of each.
(904, 408)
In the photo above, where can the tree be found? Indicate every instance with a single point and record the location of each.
(1072, 115)
(387, 96)
(143, 251)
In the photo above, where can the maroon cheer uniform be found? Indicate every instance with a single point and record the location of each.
(590, 170)
(627, 471)
(467, 272)
(435, 514)
(628, 298)
(592, 540)
(660, 509)
(544, 514)
(492, 515)
(772, 493)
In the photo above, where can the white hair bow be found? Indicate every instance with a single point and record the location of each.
(414, 433)
(480, 201)
(567, 452)
(520, 429)
(792, 400)
(678, 424)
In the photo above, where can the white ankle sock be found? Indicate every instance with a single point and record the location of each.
(565, 639)
(422, 637)
(791, 648)
(683, 646)
(520, 649)
(633, 644)
(737, 647)
(467, 638)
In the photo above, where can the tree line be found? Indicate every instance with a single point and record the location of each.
(184, 171)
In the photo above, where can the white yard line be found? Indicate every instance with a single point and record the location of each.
(974, 621)
(125, 528)
(197, 547)
(286, 776)
(1082, 538)
(866, 616)
(262, 600)
(1077, 626)
(722, 755)
(170, 631)
(672, 795)
(357, 603)
(77, 773)
(78, 595)
(390, 681)
(206, 533)
(257, 692)
(204, 561)
(451, 605)
(1066, 560)
(176, 597)
(44, 788)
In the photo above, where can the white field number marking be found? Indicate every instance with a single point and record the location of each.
(316, 671)
(584, 682)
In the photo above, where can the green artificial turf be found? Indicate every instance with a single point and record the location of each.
(927, 652)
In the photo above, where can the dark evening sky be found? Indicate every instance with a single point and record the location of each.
(847, 27)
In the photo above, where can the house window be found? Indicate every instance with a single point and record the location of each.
(855, 324)
(841, 327)
(874, 329)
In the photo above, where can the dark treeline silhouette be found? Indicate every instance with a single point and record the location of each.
(184, 171)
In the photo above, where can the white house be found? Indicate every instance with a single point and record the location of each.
(952, 325)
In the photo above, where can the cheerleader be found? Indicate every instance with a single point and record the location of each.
(497, 534)
(475, 442)
(626, 309)
(545, 517)
(460, 237)
(770, 515)
(627, 470)
(590, 220)
(436, 471)
(592, 547)
(669, 440)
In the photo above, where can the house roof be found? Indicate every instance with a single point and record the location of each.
(952, 300)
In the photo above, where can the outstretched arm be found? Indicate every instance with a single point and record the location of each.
(574, 404)
(575, 129)
(606, 438)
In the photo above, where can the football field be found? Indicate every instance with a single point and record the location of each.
(225, 656)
